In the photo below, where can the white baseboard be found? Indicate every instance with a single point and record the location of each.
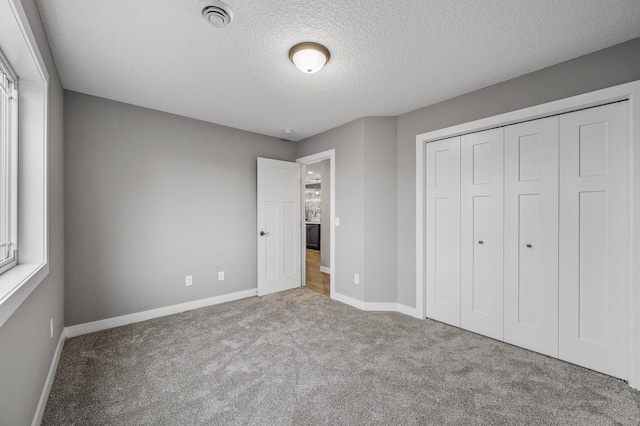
(91, 327)
(348, 300)
(325, 270)
(42, 404)
(380, 306)
(376, 306)
(412, 312)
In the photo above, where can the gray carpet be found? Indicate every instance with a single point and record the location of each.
(300, 358)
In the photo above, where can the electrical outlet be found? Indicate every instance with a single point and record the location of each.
(356, 279)
(188, 280)
(221, 276)
(51, 328)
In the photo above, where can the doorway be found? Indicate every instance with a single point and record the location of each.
(316, 227)
(318, 212)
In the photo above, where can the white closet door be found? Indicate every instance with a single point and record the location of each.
(481, 202)
(594, 236)
(531, 235)
(443, 230)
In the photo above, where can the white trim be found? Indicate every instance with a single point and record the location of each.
(628, 91)
(91, 327)
(325, 269)
(348, 300)
(634, 255)
(407, 310)
(380, 306)
(420, 237)
(29, 38)
(314, 158)
(17, 38)
(44, 396)
(376, 306)
(23, 279)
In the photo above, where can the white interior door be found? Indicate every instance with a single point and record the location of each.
(481, 201)
(443, 230)
(278, 232)
(594, 238)
(531, 235)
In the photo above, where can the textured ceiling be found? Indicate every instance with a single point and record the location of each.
(387, 57)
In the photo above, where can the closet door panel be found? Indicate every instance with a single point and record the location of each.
(443, 230)
(531, 235)
(594, 236)
(481, 199)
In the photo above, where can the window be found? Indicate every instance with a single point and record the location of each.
(25, 140)
(8, 164)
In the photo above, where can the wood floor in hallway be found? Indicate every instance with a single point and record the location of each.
(316, 280)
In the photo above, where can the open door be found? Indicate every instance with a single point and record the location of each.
(278, 232)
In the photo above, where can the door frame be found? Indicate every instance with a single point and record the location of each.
(628, 91)
(309, 159)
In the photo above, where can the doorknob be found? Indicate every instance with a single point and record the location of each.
(529, 246)
(262, 233)
(480, 242)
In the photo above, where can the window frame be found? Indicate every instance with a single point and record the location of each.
(20, 46)
(9, 165)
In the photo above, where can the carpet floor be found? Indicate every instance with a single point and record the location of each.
(298, 357)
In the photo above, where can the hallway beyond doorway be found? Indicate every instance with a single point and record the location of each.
(316, 280)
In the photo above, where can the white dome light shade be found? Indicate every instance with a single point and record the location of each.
(309, 57)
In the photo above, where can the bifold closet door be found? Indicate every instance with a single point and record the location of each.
(531, 235)
(594, 238)
(443, 230)
(481, 215)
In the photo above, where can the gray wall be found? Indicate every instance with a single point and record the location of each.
(26, 350)
(380, 209)
(348, 141)
(609, 67)
(325, 223)
(365, 203)
(151, 197)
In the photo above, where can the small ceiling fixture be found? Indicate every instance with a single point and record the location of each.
(216, 12)
(287, 131)
(309, 57)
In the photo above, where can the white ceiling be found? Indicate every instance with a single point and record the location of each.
(387, 57)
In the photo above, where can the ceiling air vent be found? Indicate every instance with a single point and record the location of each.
(216, 12)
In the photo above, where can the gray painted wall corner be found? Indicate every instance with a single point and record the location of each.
(347, 140)
(365, 203)
(152, 197)
(26, 346)
(380, 209)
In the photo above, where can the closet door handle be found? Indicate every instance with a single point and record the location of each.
(529, 246)
(480, 242)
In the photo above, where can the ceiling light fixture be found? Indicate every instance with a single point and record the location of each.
(309, 57)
